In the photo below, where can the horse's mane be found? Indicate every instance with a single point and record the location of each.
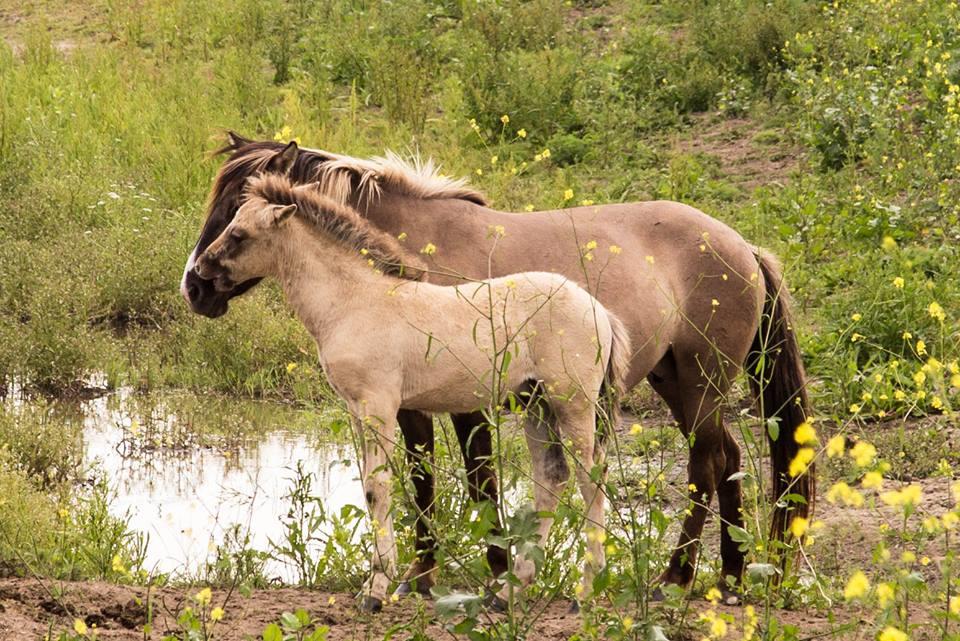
(341, 222)
(341, 177)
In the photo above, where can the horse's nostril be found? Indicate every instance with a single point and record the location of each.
(193, 292)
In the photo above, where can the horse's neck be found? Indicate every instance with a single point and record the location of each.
(325, 283)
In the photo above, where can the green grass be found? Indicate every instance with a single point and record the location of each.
(826, 132)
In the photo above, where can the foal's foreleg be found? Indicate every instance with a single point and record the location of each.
(375, 426)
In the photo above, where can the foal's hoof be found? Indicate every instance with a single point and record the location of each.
(657, 595)
(370, 604)
(574, 607)
(495, 604)
(406, 588)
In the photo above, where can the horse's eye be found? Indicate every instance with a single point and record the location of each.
(237, 237)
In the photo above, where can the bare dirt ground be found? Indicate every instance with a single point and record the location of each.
(31, 608)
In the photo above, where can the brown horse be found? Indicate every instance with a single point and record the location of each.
(387, 343)
(698, 301)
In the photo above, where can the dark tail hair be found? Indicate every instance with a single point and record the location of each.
(778, 381)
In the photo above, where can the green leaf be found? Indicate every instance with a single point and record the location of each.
(272, 633)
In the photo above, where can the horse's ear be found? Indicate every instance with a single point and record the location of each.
(236, 140)
(283, 160)
(280, 214)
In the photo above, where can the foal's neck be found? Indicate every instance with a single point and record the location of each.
(325, 282)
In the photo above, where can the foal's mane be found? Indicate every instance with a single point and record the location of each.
(341, 222)
(341, 177)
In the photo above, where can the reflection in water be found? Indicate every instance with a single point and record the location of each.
(186, 468)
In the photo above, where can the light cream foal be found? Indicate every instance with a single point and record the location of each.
(387, 343)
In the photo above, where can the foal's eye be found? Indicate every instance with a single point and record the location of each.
(237, 237)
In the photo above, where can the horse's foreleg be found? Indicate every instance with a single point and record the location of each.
(417, 430)
(375, 426)
(477, 448)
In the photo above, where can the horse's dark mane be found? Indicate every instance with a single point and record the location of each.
(340, 176)
(341, 222)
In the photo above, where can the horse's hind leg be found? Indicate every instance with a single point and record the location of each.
(477, 449)
(695, 398)
(417, 429)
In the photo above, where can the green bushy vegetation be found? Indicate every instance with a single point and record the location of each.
(826, 132)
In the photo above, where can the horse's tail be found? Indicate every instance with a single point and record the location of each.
(778, 381)
(614, 381)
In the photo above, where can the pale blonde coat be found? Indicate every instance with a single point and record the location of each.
(386, 344)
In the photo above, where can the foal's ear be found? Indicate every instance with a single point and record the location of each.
(283, 160)
(280, 214)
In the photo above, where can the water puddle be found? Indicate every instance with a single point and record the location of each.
(184, 469)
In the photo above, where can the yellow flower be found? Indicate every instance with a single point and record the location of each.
(855, 408)
(429, 249)
(616, 250)
(949, 520)
(203, 596)
(873, 480)
(919, 378)
(650, 259)
(586, 202)
(80, 627)
(216, 614)
(504, 118)
(291, 367)
(528, 208)
(955, 605)
(936, 311)
(884, 594)
(856, 318)
(801, 461)
(891, 633)
(117, 564)
(863, 453)
(889, 243)
(522, 133)
(494, 160)
(799, 526)
(836, 446)
(907, 336)
(921, 348)
(627, 623)
(857, 586)
(636, 428)
(568, 194)
(331, 600)
(845, 494)
(545, 153)
(898, 282)
(805, 434)
(714, 303)
(908, 557)
(910, 495)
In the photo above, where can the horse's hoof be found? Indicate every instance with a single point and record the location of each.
(403, 589)
(574, 607)
(370, 604)
(658, 596)
(495, 604)
(729, 597)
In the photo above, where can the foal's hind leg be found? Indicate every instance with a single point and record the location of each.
(550, 473)
(417, 429)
